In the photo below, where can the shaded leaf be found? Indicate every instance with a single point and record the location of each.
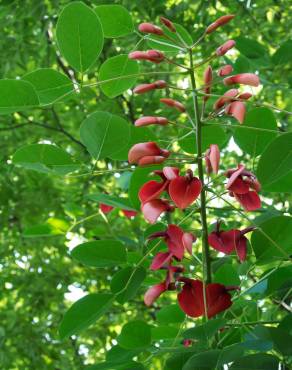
(135, 334)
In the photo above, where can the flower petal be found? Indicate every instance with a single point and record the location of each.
(153, 209)
(160, 260)
(183, 191)
(188, 240)
(249, 201)
(218, 299)
(241, 248)
(153, 293)
(151, 190)
(237, 110)
(174, 241)
(190, 299)
(239, 186)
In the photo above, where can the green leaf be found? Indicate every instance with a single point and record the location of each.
(44, 158)
(255, 141)
(274, 169)
(49, 84)
(17, 95)
(205, 331)
(83, 313)
(284, 54)
(110, 200)
(139, 177)
(257, 361)
(117, 69)
(203, 361)
(116, 21)
(227, 275)
(79, 35)
(112, 365)
(100, 253)
(250, 48)
(52, 227)
(164, 332)
(127, 281)
(173, 44)
(104, 134)
(274, 239)
(138, 135)
(119, 354)
(170, 314)
(210, 135)
(134, 335)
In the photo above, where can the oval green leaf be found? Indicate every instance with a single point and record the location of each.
(127, 281)
(44, 158)
(79, 35)
(50, 85)
(83, 313)
(134, 335)
(117, 69)
(116, 21)
(100, 253)
(252, 137)
(273, 240)
(104, 133)
(257, 361)
(274, 169)
(17, 95)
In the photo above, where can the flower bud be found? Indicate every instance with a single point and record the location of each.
(150, 28)
(143, 88)
(168, 24)
(250, 79)
(219, 22)
(208, 77)
(149, 120)
(222, 50)
(174, 103)
(227, 97)
(225, 70)
(237, 110)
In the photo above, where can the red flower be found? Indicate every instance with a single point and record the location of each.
(222, 50)
(154, 208)
(208, 76)
(150, 28)
(184, 190)
(239, 184)
(219, 22)
(227, 97)
(149, 120)
(229, 241)
(212, 159)
(243, 78)
(105, 208)
(225, 70)
(168, 24)
(191, 298)
(152, 189)
(177, 241)
(154, 56)
(155, 291)
(174, 103)
(143, 88)
(129, 214)
(147, 153)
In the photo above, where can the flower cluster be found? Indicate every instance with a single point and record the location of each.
(179, 191)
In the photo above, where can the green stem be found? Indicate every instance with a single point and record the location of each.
(205, 246)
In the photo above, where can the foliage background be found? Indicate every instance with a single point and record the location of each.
(37, 273)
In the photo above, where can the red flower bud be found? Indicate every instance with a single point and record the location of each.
(168, 24)
(143, 88)
(225, 70)
(245, 96)
(150, 28)
(222, 50)
(174, 103)
(208, 76)
(237, 110)
(105, 208)
(150, 55)
(227, 97)
(243, 78)
(146, 121)
(219, 22)
(212, 158)
(129, 214)
(147, 153)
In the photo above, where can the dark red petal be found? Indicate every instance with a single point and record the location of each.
(237, 110)
(153, 209)
(184, 192)
(105, 208)
(188, 239)
(129, 214)
(239, 186)
(190, 298)
(218, 299)
(241, 248)
(249, 201)
(233, 174)
(153, 293)
(230, 239)
(151, 190)
(174, 241)
(160, 260)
